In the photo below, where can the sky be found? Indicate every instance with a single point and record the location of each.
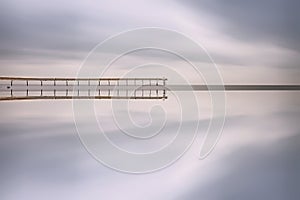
(251, 42)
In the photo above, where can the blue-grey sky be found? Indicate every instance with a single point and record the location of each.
(252, 42)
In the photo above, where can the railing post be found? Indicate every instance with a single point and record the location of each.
(89, 84)
(164, 91)
(54, 88)
(27, 88)
(67, 84)
(118, 91)
(108, 88)
(127, 88)
(11, 91)
(142, 88)
(135, 88)
(99, 88)
(156, 88)
(41, 88)
(150, 88)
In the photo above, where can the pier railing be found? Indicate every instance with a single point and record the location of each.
(16, 88)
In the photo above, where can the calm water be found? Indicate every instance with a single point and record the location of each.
(258, 154)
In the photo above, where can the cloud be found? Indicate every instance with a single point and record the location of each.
(262, 21)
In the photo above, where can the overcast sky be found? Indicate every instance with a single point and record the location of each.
(251, 41)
